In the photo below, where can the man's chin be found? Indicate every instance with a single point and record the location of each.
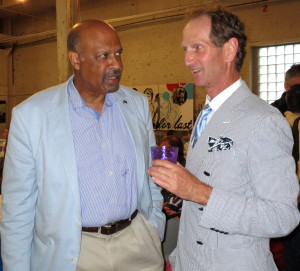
(112, 88)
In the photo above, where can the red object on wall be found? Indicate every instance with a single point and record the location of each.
(265, 8)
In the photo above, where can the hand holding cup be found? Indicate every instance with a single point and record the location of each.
(164, 153)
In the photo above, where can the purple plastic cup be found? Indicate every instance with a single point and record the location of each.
(164, 153)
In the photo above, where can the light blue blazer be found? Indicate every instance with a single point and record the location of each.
(41, 225)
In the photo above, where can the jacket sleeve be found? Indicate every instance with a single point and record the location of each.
(19, 198)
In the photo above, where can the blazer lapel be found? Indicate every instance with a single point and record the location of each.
(231, 109)
(60, 123)
(127, 108)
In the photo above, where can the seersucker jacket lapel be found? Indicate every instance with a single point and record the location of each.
(231, 109)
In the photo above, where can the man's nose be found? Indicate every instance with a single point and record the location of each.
(189, 58)
(116, 62)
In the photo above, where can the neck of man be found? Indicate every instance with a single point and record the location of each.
(213, 90)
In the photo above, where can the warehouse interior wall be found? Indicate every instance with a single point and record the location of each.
(150, 32)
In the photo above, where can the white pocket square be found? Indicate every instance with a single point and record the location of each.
(219, 144)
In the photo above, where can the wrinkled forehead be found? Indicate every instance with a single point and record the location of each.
(198, 28)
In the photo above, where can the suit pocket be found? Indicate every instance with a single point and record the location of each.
(223, 154)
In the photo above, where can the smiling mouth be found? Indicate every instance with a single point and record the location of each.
(196, 70)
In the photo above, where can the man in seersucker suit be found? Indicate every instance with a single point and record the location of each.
(239, 184)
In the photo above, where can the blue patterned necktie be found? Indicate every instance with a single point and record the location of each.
(201, 124)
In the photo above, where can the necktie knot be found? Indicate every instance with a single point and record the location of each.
(201, 124)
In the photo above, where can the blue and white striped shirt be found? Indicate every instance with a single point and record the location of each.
(106, 160)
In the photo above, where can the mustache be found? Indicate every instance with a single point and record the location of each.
(113, 73)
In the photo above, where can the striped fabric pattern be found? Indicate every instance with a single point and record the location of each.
(105, 160)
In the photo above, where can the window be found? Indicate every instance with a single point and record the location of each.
(271, 63)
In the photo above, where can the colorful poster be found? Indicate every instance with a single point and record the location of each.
(171, 105)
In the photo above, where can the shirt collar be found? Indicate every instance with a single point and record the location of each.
(216, 102)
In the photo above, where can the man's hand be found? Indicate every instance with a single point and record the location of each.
(179, 181)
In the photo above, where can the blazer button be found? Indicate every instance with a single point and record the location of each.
(206, 173)
(199, 243)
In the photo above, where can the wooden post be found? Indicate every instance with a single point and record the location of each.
(66, 15)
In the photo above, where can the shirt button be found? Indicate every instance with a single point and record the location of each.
(104, 146)
(78, 225)
(113, 201)
(74, 260)
(110, 173)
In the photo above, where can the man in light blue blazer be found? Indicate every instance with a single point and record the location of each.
(239, 185)
(76, 195)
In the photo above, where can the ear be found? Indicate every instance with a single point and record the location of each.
(231, 48)
(74, 59)
(287, 86)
